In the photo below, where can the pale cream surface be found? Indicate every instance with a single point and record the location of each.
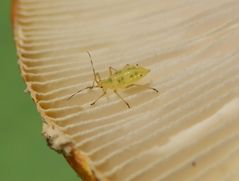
(190, 131)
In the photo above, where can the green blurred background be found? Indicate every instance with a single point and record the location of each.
(24, 154)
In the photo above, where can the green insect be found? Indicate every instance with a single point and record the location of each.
(117, 80)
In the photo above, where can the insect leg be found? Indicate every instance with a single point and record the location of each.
(145, 86)
(88, 87)
(111, 69)
(122, 98)
(98, 98)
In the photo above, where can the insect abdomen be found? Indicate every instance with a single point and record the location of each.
(126, 77)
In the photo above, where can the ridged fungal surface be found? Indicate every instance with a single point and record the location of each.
(189, 131)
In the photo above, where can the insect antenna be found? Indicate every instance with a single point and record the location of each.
(92, 65)
(89, 87)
